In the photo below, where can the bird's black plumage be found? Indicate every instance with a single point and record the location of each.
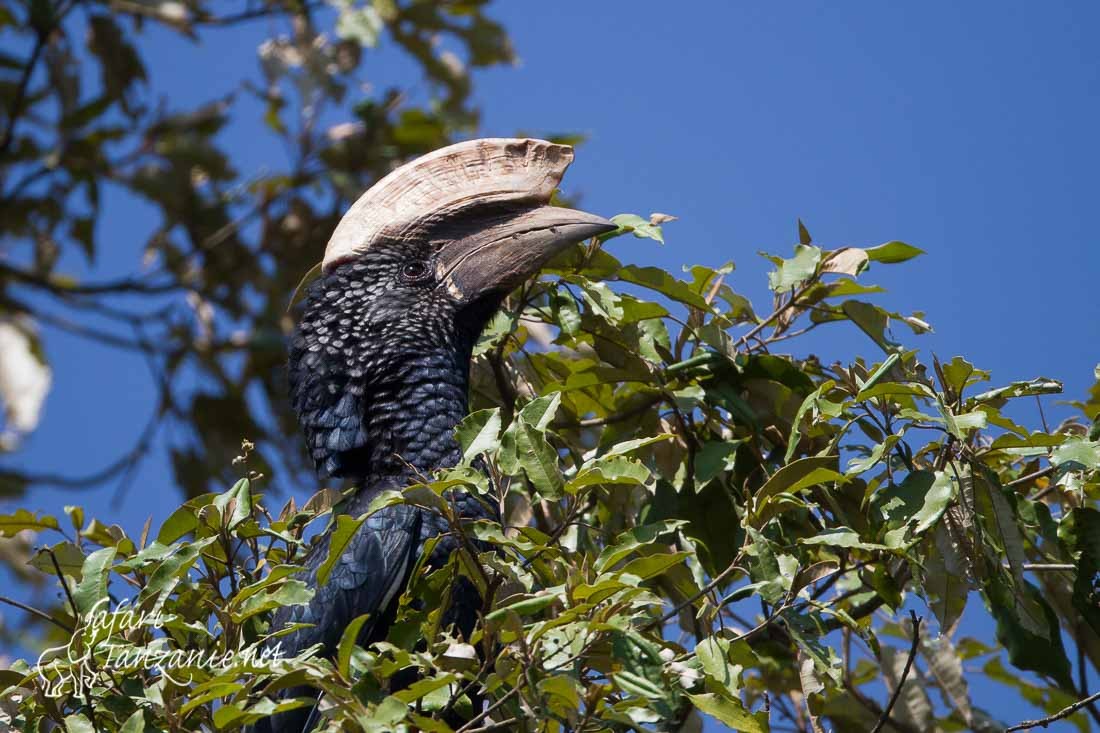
(379, 372)
(380, 359)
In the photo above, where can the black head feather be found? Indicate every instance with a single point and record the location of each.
(379, 362)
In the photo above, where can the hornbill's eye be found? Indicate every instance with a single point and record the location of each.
(415, 271)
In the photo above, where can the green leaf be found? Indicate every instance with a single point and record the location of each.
(915, 505)
(1077, 453)
(562, 694)
(796, 270)
(859, 465)
(529, 606)
(173, 567)
(539, 461)
(713, 459)
(804, 234)
(208, 692)
(641, 228)
(78, 724)
(82, 230)
(565, 312)
(339, 537)
(181, 521)
(893, 252)
(653, 565)
(21, 519)
(840, 537)
(731, 712)
(876, 376)
(277, 574)
(789, 479)
(602, 302)
(713, 654)
(134, 724)
(1039, 386)
(630, 541)
(873, 321)
(288, 593)
(76, 516)
(1000, 521)
(662, 282)
(629, 446)
(240, 498)
(479, 432)
(638, 666)
(1037, 652)
(809, 405)
(420, 689)
(945, 580)
(93, 584)
(539, 412)
(69, 558)
(606, 471)
(348, 641)
(119, 62)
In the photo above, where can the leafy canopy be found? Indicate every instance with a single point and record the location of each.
(694, 525)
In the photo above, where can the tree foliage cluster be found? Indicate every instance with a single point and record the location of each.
(696, 524)
(693, 526)
(204, 307)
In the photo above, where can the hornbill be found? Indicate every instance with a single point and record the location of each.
(380, 360)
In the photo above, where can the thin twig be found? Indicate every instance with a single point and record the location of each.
(58, 287)
(487, 711)
(64, 584)
(37, 612)
(16, 107)
(117, 467)
(76, 616)
(619, 416)
(502, 725)
(1042, 567)
(718, 580)
(904, 673)
(1063, 713)
(1042, 415)
(1041, 473)
(776, 313)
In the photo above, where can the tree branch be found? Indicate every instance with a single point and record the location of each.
(16, 107)
(125, 285)
(1063, 713)
(776, 313)
(36, 612)
(718, 580)
(882, 719)
(1031, 477)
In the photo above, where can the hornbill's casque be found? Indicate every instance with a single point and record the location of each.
(380, 360)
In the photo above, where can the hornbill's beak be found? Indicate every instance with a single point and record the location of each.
(504, 254)
(486, 200)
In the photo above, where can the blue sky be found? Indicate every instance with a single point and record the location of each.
(967, 129)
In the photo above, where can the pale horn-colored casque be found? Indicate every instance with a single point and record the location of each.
(444, 182)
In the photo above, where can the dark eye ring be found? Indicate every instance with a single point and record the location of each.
(415, 271)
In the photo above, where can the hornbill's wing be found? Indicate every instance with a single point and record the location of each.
(366, 578)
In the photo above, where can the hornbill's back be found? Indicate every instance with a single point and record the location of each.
(379, 362)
